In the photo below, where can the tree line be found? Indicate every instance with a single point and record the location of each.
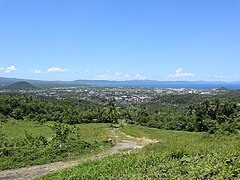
(184, 112)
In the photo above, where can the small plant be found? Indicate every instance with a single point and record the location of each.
(61, 132)
(177, 154)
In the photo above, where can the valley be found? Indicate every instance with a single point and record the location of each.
(176, 133)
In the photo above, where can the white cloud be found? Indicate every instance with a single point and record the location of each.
(218, 76)
(36, 71)
(139, 77)
(56, 70)
(8, 69)
(101, 77)
(118, 76)
(180, 74)
(112, 76)
(86, 70)
(221, 77)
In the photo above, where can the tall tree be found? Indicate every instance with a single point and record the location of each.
(111, 112)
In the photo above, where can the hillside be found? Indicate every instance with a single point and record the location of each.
(22, 85)
(176, 155)
(36, 130)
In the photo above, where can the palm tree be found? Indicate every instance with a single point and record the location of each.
(111, 112)
(190, 111)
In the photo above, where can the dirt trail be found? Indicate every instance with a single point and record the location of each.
(125, 144)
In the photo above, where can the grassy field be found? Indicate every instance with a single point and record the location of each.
(40, 147)
(16, 129)
(177, 155)
(88, 132)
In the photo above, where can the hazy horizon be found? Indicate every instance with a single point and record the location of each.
(133, 80)
(120, 40)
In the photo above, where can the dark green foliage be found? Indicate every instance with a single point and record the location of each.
(22, 85)
(204, 116)
(195, 99)
(173, 112)
(182, 100)
(20, 106)
(111, 112)
(216, 116)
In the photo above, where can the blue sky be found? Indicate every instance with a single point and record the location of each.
(120, 39)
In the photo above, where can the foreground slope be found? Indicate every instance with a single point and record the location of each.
(177, 155)
(124, 144)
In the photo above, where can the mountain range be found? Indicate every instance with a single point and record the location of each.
(137, 83)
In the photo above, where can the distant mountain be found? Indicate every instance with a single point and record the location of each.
(7, 81)
(162, 84)
(134, 83)
(40, 83)
(22, 85)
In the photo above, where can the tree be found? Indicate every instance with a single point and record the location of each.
(143, 116)
(61, 131)
(111, 112)
(17, 113)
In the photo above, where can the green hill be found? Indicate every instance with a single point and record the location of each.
(22, 85)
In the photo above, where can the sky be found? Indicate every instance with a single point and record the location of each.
(165, 40)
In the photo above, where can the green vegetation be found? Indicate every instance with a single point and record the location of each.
(189, 113)
(22, 85)
(111, 112)
(32, 108)
(181, 112)
(177, 155)
(24, 143)
(16, 129)
(36, 130)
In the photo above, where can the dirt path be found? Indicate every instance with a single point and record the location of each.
(125, 144)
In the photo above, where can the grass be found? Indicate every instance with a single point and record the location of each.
(88, 132)
(20, 152)
(16, 129)
(177, 155)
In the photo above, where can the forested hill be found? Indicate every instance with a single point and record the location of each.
(22, 85)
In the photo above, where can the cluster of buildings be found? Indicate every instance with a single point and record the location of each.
(123, 95)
